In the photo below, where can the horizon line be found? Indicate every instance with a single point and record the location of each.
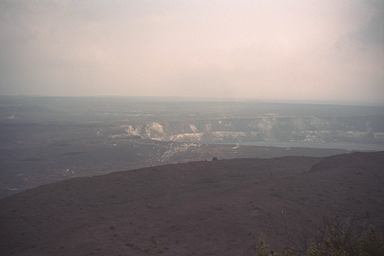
(206, 99)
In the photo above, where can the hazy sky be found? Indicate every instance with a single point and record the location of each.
(322, 50)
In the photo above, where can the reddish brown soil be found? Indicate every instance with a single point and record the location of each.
(198, 208)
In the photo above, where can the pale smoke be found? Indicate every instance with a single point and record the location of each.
(193, 128)
(155, 131)
(132, 131)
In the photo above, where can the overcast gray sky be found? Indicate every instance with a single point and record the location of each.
(312, 50)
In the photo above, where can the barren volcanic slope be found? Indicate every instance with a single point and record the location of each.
(198, 208)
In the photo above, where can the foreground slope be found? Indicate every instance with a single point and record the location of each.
(198, 208)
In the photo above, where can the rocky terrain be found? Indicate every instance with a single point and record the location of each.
(199, 208)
